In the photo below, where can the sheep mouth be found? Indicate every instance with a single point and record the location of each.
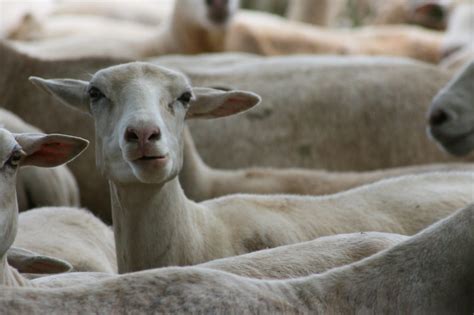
(152, 158)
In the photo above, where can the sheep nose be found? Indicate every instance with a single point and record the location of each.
(439, 117)
(142, 135)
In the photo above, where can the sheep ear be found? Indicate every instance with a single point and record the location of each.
(49, 150)
(68, 91)
(213, 103)
(26, 261)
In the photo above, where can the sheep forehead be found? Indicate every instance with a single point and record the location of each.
(139, 77)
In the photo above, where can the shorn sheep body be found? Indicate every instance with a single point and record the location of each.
(394, 280)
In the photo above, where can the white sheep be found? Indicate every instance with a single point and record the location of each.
(21, 150)
(36, 28)
(432, 272)
(348, 13)
(186, 31)
(312, 131)
(146, 12)
(269, 34)
(451, 119)
(139, 129)
(77, 236)
(38, 187)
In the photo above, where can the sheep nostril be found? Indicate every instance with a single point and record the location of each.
(131, 135)
(155, 135)
(438, 117)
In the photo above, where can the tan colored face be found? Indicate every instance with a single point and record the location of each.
(139, 113)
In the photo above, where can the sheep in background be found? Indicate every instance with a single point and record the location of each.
(139, 148)
(201, 182)
(186, 31)
(145, 12)
(348, 13)
(37, 28)
(268, 34)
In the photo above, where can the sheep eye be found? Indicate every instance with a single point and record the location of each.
(15, 158)
(185, 98)
(95, 94)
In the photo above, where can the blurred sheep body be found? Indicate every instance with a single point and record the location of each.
(186, 31)
(268, 34)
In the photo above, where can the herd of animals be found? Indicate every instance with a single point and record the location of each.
(249, 163)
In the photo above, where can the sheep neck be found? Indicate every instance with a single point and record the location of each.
(194, 176)
(151, 222)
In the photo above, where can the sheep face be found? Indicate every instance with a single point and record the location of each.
(451, 116)
(139, 111)
(21, 150)
(209, 13)
(10, 156)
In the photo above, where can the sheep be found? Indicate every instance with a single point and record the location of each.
(322, 105)
(411, 277)
(451, 122)
(71, 223)
(186, 31)
(13, 12)
(145, 12)
(21, 150)
(41, 186)
(458, 45)
(267, 34)
(34, 28)
(139, 149)
(201, 182)
(427, 13)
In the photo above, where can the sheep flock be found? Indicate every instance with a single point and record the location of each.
(237, 157)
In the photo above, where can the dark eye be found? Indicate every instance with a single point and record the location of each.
(15, 158)
(95, 94)
(185, 98)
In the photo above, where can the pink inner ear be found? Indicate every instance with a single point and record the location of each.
(233, 105)
(50, 154)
